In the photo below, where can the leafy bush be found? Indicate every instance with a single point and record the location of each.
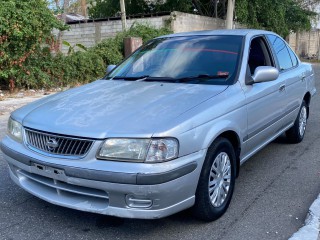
(45, 70)
(110, 50)
(83, 67)
(41, 69)
(25, 26)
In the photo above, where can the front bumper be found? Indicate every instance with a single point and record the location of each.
(155, 191)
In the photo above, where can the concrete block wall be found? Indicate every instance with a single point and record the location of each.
(185, 22)
(92, 33)
(308, 43)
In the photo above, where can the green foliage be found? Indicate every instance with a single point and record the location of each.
(71, 49)
(25, 26)
(110, 50)
(42, 69)
(280, 16)
(104, 9)
(171, 5)
(111, 8)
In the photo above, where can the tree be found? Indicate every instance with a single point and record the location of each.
(280, 16)
(111, 8)
(26, 25)
(211, 8)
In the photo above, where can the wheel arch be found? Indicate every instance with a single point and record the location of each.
(234, 139)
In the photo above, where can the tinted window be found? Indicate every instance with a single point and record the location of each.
(259, 54)
(181, 57)
(281, 51)
(293, 57)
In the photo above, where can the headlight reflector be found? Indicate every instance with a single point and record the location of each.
(125, 149)
(139, 150)
(15, 129)
(162, 150)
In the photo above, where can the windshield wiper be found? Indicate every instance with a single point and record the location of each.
(140, 78)
(202, 77)
(146, 78)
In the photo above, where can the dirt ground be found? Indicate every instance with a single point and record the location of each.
(12, 102)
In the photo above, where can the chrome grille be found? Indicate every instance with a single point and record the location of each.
(57, 144)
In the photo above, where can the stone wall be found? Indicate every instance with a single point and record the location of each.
(308, 43)
(185, 22)
(91, 33)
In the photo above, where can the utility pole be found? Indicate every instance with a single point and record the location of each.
(230, 10)
(84, 8)
(123, 15)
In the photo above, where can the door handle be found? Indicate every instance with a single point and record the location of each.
(303, 77)
(282, 88)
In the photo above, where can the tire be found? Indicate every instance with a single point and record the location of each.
(212, 183)
(296, 133)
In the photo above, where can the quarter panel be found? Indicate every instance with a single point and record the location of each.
(295, 89)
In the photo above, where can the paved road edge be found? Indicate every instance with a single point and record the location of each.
(310, 231)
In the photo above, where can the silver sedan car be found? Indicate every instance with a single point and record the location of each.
(167, 129)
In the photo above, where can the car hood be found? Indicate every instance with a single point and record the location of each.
(114, 108)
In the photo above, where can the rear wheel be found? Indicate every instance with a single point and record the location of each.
(296, 133)
(216, 182)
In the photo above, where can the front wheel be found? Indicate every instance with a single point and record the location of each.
(296, 133)
(216, 182)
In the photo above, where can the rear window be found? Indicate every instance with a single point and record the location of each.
(181, 57)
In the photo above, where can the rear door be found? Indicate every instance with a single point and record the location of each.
(293, 76)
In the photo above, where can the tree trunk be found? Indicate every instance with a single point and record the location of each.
(84, 8)
(216, 8)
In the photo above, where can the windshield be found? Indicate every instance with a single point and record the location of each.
(191, 59)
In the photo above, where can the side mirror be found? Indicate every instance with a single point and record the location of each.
(110, 68)
(265, 74)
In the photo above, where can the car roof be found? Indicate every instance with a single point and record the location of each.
(233, 32)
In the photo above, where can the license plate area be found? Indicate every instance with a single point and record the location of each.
(47, 171)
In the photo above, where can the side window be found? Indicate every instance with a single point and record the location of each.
(293, 57)
(259, 54)
(281, 51)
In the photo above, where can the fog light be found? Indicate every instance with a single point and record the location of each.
(138, 202)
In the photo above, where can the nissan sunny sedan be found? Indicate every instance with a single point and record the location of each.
(167, 129)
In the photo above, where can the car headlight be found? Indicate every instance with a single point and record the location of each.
(15, 129)
(139, 150)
